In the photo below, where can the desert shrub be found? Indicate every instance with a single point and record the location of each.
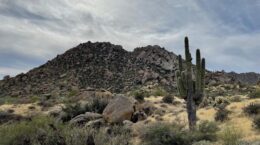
(40, 130)
(222, 114)
(230, 135)
(45, 131)
(140, 94)
(6, 116)
(254, 94)
(168, 99)
(235, 99)
(114, 135)
(206, 101)
(207, 130)
(70, 111)
(204, 142)
(256, 122)
(252, 109)
(159, 92)
(221, 102)
(96, 105)
(177, 134)
(242, 142)
(72, 93)
(165, 134)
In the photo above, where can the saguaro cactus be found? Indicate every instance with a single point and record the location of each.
(191, 89)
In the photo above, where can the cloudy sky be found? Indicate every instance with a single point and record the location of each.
(226, 31)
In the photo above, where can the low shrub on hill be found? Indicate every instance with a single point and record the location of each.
(96, 105)
(254, 94)
(159, 92)
(230, 135)
(252, 109)
(207, 130)
(222, 114)
(177, 134)
(43, 130)
(168, 99)
(256, 121)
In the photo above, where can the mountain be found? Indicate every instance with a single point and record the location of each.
(96, 65)
(101, 65)
(249, 78)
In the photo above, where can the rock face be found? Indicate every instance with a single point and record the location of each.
(119, 109)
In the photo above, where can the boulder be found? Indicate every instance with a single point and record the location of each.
(119, 109)
(83, 118)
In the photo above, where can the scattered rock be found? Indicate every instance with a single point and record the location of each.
(95, 123)
(83, 118)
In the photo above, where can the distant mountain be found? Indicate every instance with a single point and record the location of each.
(101, 65)
(249, 78)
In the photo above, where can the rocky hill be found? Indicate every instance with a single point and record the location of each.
(96, 65)
(101, 65)
(249, 78)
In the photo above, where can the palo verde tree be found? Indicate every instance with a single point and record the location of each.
(190, 82)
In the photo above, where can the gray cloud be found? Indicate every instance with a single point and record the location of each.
(227, 31)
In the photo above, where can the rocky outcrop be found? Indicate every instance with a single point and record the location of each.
(119, 109)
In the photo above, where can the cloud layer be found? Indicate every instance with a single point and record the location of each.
(227, 31)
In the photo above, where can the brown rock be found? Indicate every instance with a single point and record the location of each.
(119, 109)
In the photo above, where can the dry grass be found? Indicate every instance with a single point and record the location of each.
(238, 119)
(22, 109)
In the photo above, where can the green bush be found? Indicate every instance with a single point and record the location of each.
(177, 134)
(70, 111)
(168, 99)
(96, 105)
(140, 94)
(242, 142)
(165, 134)
(256, 122)
(40, 130)
(45, 131)
(222, 114)
(235, 99)
(254, 94)
(230, 136)
(252, 109)
(202, 143)
(159, 92)
(115, 135)
(8, 116)
(207, 131)
(221, 102)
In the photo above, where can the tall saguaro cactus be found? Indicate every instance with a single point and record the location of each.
(191, 89)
